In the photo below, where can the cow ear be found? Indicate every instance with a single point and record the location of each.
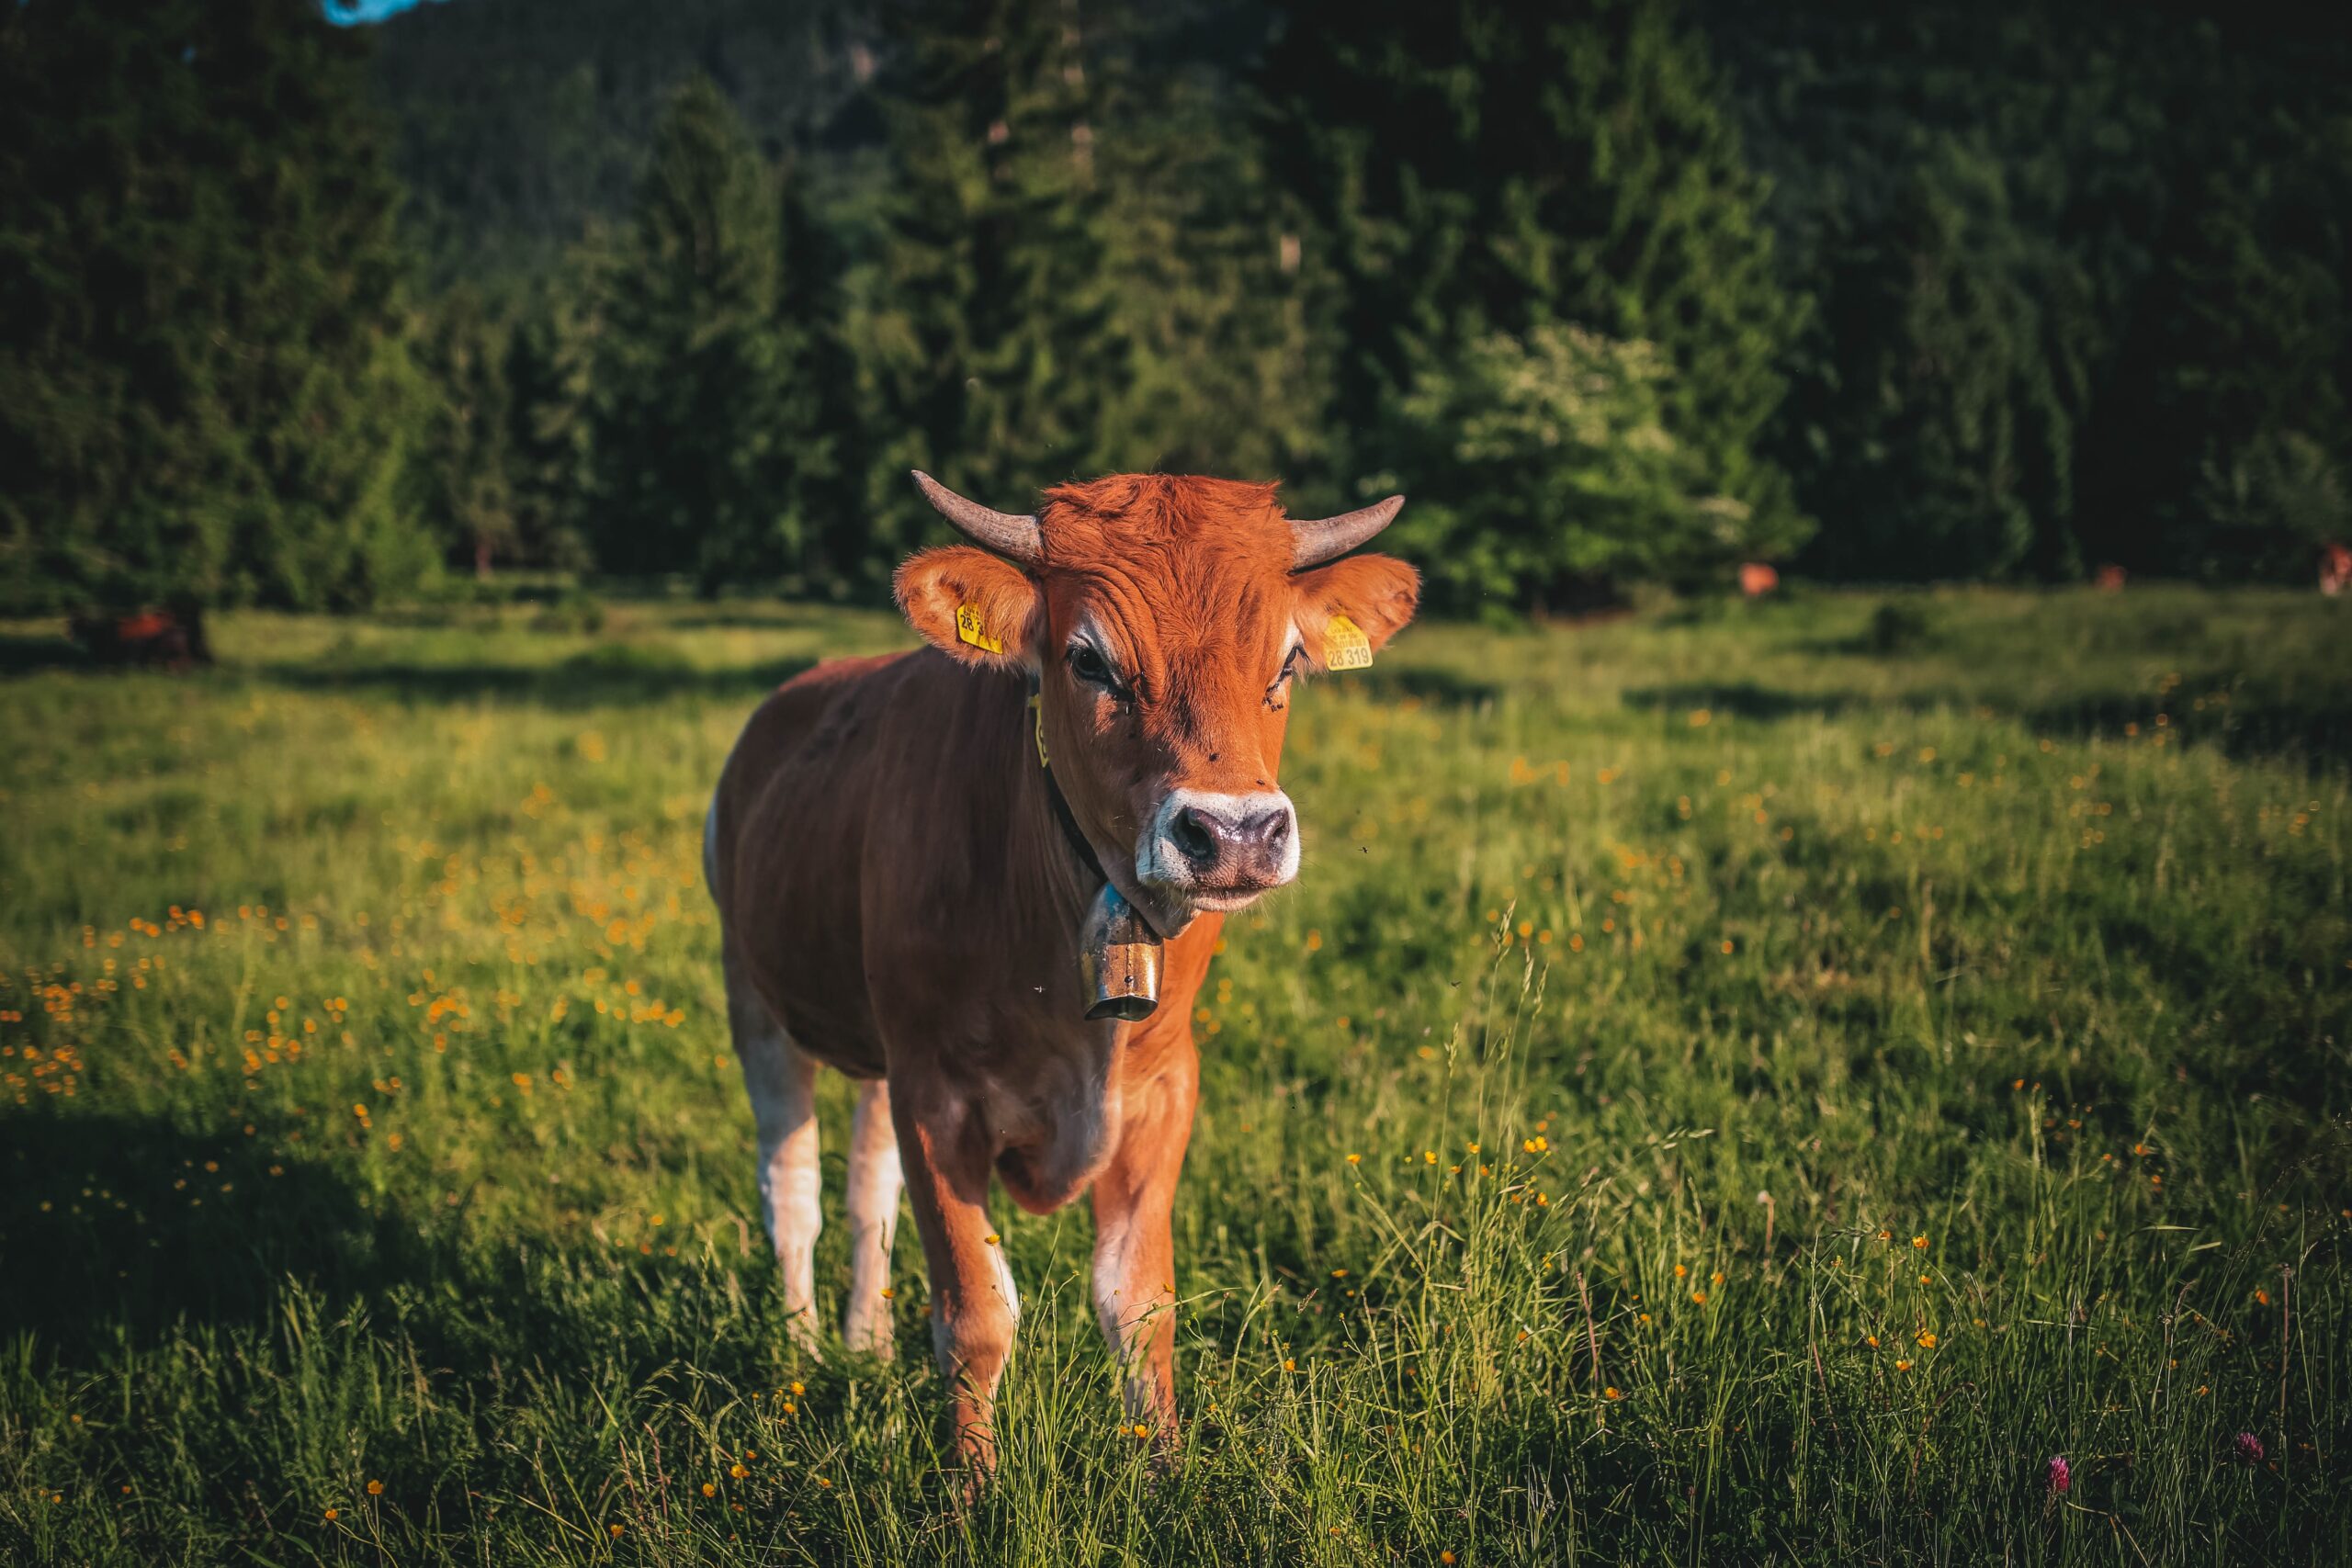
(1376, 593)
(972, 607)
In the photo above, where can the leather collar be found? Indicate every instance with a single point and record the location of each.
(1076, 836)
(1062, 814)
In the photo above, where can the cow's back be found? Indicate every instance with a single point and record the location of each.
(865, 836)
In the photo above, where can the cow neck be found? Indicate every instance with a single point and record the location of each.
(1071, 833)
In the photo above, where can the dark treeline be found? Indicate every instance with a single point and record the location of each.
(1618, 291)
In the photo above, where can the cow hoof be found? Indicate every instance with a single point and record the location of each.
(871, 1337)
(979, 1458)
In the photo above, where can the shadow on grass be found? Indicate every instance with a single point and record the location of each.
(613, 675)
(783, 616)
(2312, 729)
(24, 655)
(117, 1225)
(1743, 699)
(1429, 683)
(125, 1231)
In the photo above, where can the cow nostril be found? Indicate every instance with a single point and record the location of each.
(1269, 831)
(1194, 836)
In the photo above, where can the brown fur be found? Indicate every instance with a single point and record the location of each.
(893, 883)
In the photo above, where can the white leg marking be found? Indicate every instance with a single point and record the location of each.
(1123, 1309)
(783, 1087)
(1004, 1282)
(874, 1183)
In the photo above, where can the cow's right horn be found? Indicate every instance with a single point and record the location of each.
(1314, 541)
(1012, 536)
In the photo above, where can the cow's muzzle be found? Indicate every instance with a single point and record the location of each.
(1218, 852)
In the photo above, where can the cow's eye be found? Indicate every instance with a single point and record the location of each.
(1282, 680)
(1088, 665)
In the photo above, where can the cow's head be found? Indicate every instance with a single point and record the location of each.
(1164, 620)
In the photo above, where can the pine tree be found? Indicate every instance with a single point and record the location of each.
(696, 451)
(983, 328)
(1940, 428)
(465, 462)
(204, 389)
(550, 378)
(1480, 166)
(1219, 311)
(2224, 449)
(829, 440)
(1970, 196)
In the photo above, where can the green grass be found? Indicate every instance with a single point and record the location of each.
(2010, 960)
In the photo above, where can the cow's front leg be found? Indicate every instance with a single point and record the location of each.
(1135, 1253)
(946, 1159)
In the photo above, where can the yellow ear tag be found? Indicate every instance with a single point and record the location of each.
(970, 628)
(1344, 646)
(1037, 709)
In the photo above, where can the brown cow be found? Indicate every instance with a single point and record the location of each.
(901, 875)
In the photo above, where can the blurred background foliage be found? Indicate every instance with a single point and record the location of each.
(314, 315)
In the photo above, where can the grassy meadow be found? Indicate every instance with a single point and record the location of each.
(1734, 1083)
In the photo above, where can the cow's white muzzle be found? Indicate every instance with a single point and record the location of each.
(1220, 851)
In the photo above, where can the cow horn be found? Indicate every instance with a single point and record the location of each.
(1015, 536)
(1314, 541)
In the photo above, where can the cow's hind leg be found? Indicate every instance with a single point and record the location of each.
(874, 1183)
(782, 1085)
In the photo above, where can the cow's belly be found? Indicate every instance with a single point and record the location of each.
(846, 1045)
(808, 970)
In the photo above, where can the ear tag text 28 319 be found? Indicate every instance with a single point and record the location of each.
(970, 628)
(1344, 645)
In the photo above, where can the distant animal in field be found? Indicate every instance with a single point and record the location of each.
(2334, 568)
(908, 853)
(169, 640)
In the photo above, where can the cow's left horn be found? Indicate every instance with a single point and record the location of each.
(1317, 541)
(1016, 536)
